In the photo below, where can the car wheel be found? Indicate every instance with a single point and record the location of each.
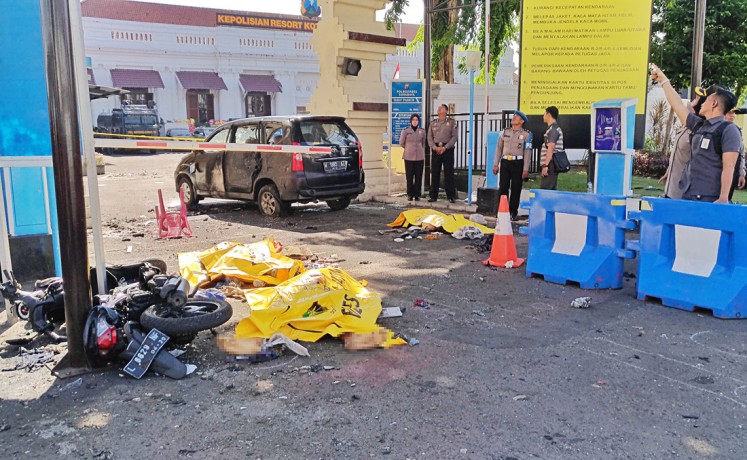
(190, 195)
(270, 203)
(340, 204)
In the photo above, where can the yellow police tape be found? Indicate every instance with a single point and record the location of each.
(138, 136)
(428, 217)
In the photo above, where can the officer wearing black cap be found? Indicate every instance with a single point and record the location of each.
(512, 160)
(715, 143)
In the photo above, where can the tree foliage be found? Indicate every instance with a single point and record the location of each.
(724, 46)
(465, 27)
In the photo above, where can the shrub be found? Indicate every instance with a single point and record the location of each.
(648, 164)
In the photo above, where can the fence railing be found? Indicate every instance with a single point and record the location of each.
(497, 121)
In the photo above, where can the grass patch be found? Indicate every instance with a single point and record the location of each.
(575, 181)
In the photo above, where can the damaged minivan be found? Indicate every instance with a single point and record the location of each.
(277, 178)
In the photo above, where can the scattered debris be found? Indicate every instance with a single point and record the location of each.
(520, 398)
(390, 312)
(690, 417)
(509, 264)
(468, 232)
(422, 303)
(30, 360)
(478, 218)
(581, 302)
(640, 330)
(478, 313)
(413, 341)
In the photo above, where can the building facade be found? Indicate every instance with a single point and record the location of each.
(206, 64)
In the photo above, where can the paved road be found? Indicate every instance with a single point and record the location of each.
(504, 369)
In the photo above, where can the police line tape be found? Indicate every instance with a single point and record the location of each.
(142, 136)
(193, 145)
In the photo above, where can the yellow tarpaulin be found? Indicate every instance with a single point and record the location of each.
(243, 262)
(311, 305)
(450, 223)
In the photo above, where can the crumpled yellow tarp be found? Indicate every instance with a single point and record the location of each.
(311, 305)
(450, 223)
(244, 262)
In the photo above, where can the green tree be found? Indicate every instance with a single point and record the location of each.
(724, 46)
(464, 27)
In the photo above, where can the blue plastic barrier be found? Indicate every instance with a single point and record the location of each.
(577, 237)
(693, 254)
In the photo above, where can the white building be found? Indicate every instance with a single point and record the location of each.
(208, 64)
(192, 66)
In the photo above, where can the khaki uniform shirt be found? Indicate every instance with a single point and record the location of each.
(442, 133)
(514, 144)
(413, 141)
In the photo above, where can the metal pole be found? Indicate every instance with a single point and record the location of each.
(428, 95)
(68, 172)
(84, 102)
(486, 125)
(696, 76)
(469, 142)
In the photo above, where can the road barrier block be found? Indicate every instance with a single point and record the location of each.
(577, 237)
(693, 255)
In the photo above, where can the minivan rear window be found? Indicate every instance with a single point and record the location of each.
(326, 132)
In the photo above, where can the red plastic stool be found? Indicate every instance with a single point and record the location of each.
(172, 224)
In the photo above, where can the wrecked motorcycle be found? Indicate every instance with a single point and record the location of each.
(42, 308)
(136, 320)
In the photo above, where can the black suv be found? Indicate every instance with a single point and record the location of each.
(277, 178)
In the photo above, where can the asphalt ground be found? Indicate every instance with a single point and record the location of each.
(505, 368)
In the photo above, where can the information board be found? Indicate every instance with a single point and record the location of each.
(576, 52)
(406, 99)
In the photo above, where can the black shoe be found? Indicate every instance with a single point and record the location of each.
(431, 199)
(451, 200)
(417, 198)
(409, 198)
(514, 217)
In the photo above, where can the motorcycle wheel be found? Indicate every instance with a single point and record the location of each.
(194, 316)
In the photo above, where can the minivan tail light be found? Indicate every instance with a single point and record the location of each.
(297, 162)
(360, 155)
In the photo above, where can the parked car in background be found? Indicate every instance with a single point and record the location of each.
(179, 132)
(203, 131)
(275, 179)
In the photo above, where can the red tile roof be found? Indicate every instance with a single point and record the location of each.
(158, 13)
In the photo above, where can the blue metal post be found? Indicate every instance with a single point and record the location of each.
(469, 145)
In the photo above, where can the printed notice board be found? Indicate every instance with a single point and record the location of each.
(576, 52)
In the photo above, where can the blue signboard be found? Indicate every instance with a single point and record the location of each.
(407, 98)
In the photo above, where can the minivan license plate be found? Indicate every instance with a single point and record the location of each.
(335, 166)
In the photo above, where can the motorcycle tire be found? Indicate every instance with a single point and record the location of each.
(194, 316)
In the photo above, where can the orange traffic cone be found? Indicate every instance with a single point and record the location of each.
(503, 253)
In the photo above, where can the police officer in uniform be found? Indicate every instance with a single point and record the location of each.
(442, 137)
(715, 143)
(512, 159)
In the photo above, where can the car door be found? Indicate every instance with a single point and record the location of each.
(242, 168)
(207, 168)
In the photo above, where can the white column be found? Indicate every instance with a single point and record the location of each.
(285, 102)
(229, 101)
